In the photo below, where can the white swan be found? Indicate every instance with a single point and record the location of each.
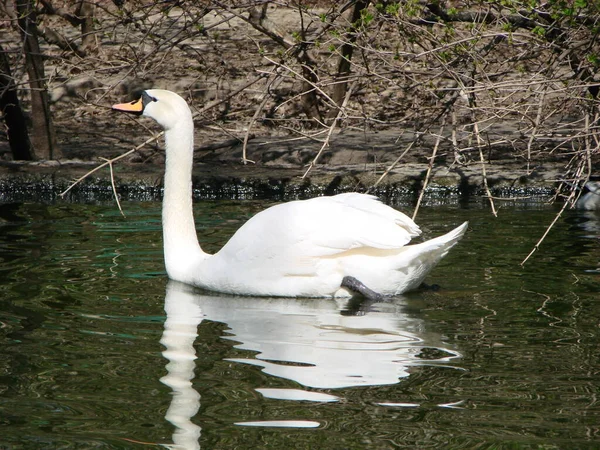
(590, 200)
(325, 246)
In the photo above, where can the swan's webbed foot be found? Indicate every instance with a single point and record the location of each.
(429, 287)
(358, 287)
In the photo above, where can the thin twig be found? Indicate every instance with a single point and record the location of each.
(483, 173)
(537, 245)
(396, 161)
(332, 127)
(429, 168)
(536, 125)
(271, 84)
(303, 78)
(583, 165)
(114, 187)
(110, 161)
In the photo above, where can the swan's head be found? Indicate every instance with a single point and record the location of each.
(166, 107)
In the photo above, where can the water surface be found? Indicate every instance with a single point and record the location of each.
(98, 350)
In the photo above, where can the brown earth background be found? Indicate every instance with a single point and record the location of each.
(484, 97)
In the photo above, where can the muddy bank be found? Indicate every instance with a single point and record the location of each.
(353, 161)
(228, 76)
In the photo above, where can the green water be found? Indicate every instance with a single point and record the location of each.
(500, 357)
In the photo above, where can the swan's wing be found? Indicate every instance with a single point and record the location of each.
(371, 205)
(352, 221)
(322, 226)
(357, 229)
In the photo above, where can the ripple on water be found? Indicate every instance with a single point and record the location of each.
(500, 355)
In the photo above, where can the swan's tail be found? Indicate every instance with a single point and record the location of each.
(448, 240)
(435, 249)
(419, 259)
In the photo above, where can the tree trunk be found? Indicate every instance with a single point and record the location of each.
(310, 100)
(43, 135)
(341, 85)
(85, 12)
(16, 124)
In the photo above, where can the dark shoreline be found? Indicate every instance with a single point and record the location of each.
(44, 181)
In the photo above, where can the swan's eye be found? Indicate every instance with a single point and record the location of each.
(147, 98)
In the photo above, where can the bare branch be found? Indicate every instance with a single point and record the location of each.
(330, 131)
(429, 168)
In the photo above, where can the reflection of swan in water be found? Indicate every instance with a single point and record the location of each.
(586, 237)
(181, 329)
(589, 222)
(314, 342)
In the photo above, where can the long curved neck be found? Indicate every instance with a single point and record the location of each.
(181, 247)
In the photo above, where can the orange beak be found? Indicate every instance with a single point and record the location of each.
(135, 107)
